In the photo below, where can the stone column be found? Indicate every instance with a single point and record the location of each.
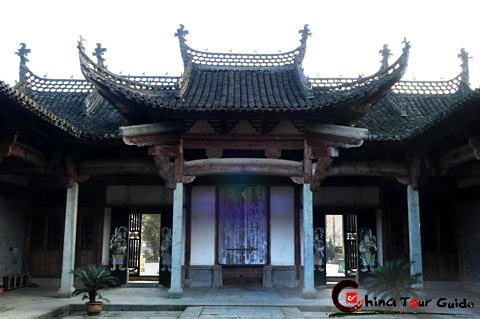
(308, 290)
(415, 241)
(70, 234)
(176, 290)
(107, 223)
(379, 228)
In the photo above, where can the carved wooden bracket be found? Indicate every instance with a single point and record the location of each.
(474, 143)
(166, 170)
(273, 153)
(414, 170)
(323, 164)
(7, 141)
(214, 152)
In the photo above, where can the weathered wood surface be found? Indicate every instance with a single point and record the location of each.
(248, 166)
(118, 167)
(337, 130)
(154, 128)
(242, 225)
(373, 168)
(246, 144)
(460, 155)
(152, 139)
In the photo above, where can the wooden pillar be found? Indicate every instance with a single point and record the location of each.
(176, 290)
(68, 262)
(308, 291)
(414, 237)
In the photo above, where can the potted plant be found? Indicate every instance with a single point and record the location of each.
(93, 279)
(393, 280)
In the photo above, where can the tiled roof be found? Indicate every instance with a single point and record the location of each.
(411, 107)
(245, 88)
(13, 96)
(76, 103)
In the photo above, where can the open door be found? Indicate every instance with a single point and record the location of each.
(134, 239)
(351, 245)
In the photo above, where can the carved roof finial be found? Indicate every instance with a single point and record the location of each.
(406, 44)
(463, 55)
(80, 42)
(180, 34)
(98, 53)
(22, 53)
(386, 53)
(305, 32)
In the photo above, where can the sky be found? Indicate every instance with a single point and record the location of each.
(138, 35)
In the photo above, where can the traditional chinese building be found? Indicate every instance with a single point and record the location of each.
(242, 156)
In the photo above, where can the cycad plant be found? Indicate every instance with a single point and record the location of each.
(93, 278)
(393, 280)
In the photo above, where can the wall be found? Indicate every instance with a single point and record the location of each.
(469, 236)
(12, 229)
(282, 226)
(122, 195)
(347, 196)
(203, 225)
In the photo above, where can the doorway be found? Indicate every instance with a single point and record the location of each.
(242, 234)
(144, 241)
(335, 249)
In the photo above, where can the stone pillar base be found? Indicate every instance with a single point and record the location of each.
(267, 277)
(175, 292)
(309, 293)
(217, 276)
(65, 292)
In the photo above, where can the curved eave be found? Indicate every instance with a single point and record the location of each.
(12, 96)
(356, 97)
(119, 89)
(137, 99)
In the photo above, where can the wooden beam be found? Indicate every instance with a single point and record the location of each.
(151, 129)
(118, 167)
(460, 155)
(246, 144)
(247, 166)
(28, 154)
(337, 130)
(315, 139)
(152, 139)
(371, 168)
(7, 141)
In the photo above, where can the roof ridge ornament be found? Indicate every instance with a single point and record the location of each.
(463, 55)
(305, 32)
(22, 53)
(98, 53)
(386, 53)
(406, 44)
(180, 34)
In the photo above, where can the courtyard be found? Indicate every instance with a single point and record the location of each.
(226, 302)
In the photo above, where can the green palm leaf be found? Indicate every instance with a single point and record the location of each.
(93, 279)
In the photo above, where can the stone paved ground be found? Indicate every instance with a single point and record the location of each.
(29, 303)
